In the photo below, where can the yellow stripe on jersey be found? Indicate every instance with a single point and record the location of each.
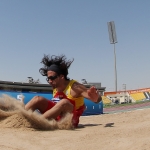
(79, 101)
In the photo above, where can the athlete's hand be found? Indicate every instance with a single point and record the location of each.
(94, 94)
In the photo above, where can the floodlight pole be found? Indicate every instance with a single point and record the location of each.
(115, 68)
(113, 40)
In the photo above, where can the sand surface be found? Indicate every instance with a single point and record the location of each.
(22, 130)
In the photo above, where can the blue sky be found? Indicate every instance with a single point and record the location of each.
(77, 28)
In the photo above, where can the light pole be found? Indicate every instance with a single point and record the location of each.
(124, 90)
(113, 40)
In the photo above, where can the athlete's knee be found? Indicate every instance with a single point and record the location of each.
(34, 102)
(37, 99)
(66, 105)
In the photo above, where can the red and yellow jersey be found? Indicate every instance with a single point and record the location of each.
(57, 96)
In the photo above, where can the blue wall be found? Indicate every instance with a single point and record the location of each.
(91, 108)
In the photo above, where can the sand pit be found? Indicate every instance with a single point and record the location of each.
(13, 115)
(120, 131)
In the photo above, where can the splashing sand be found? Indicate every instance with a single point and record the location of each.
(13, 115)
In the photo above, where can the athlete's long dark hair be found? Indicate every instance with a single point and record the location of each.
(61, 61)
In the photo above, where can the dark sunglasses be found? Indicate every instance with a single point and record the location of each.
(51, 78)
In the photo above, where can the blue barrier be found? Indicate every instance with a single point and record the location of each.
(91, 108)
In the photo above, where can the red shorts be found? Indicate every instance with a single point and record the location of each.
(76, 113)
(50, 105)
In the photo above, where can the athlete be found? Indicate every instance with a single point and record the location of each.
(68, 95)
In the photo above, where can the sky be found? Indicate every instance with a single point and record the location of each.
(78, 29)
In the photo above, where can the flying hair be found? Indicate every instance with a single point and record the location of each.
(60, 62)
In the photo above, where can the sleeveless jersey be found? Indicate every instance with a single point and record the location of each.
(57, 96)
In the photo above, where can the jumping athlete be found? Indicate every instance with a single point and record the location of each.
(68, 95)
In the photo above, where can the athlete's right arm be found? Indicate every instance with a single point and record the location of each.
(91, 93)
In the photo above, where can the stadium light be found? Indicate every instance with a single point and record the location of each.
(113, 40)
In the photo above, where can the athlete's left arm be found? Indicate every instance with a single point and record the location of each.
(91, 93)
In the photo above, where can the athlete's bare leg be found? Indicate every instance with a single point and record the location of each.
(41, 104)
(37, 102)
(61, 107)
